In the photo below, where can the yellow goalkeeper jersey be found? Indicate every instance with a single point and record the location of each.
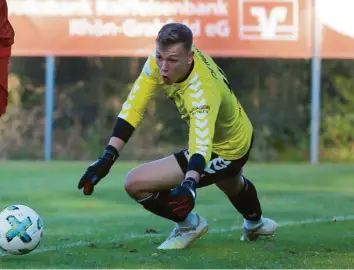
(216, 119)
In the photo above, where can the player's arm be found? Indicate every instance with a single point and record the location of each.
(133, 111)
(202, 103)
(127, 121)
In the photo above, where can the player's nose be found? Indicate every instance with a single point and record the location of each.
(164, 67)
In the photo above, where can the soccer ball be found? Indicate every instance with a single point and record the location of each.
(21, 229)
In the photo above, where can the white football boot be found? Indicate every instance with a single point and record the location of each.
(266, 228)
(182, 237)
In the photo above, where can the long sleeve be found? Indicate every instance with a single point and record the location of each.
(142, 91)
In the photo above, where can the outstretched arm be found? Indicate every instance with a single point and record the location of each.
(128, 119)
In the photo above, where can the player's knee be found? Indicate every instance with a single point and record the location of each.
(133, 184)
(231, 186)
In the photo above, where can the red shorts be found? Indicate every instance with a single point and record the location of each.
(5, 53)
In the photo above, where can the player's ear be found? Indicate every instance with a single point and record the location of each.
(190, 57)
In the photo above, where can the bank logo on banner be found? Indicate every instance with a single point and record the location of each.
(268, 19)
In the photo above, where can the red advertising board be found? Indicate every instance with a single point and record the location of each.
(227, 28)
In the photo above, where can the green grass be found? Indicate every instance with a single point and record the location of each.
(107, 230)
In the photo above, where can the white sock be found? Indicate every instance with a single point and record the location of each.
(190, 221)
(251, 225)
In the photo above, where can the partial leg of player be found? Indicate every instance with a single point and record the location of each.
(4, 73)
(243, 195)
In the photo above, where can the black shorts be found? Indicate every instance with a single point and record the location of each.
(218, 168)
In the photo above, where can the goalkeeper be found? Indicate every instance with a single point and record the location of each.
(220, 140)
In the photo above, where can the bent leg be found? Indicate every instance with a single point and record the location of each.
(150, 184)
(4, 74)
(155, 176)
(243, 196)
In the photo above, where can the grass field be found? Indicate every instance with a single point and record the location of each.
(109, 230)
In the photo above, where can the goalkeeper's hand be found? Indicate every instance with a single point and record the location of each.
(186, 189)
(183, 196)
(98, 170)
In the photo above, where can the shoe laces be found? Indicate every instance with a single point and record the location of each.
(179, 231)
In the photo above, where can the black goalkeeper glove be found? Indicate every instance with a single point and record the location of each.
(186, 189)
(98, 170)
(191, 185)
